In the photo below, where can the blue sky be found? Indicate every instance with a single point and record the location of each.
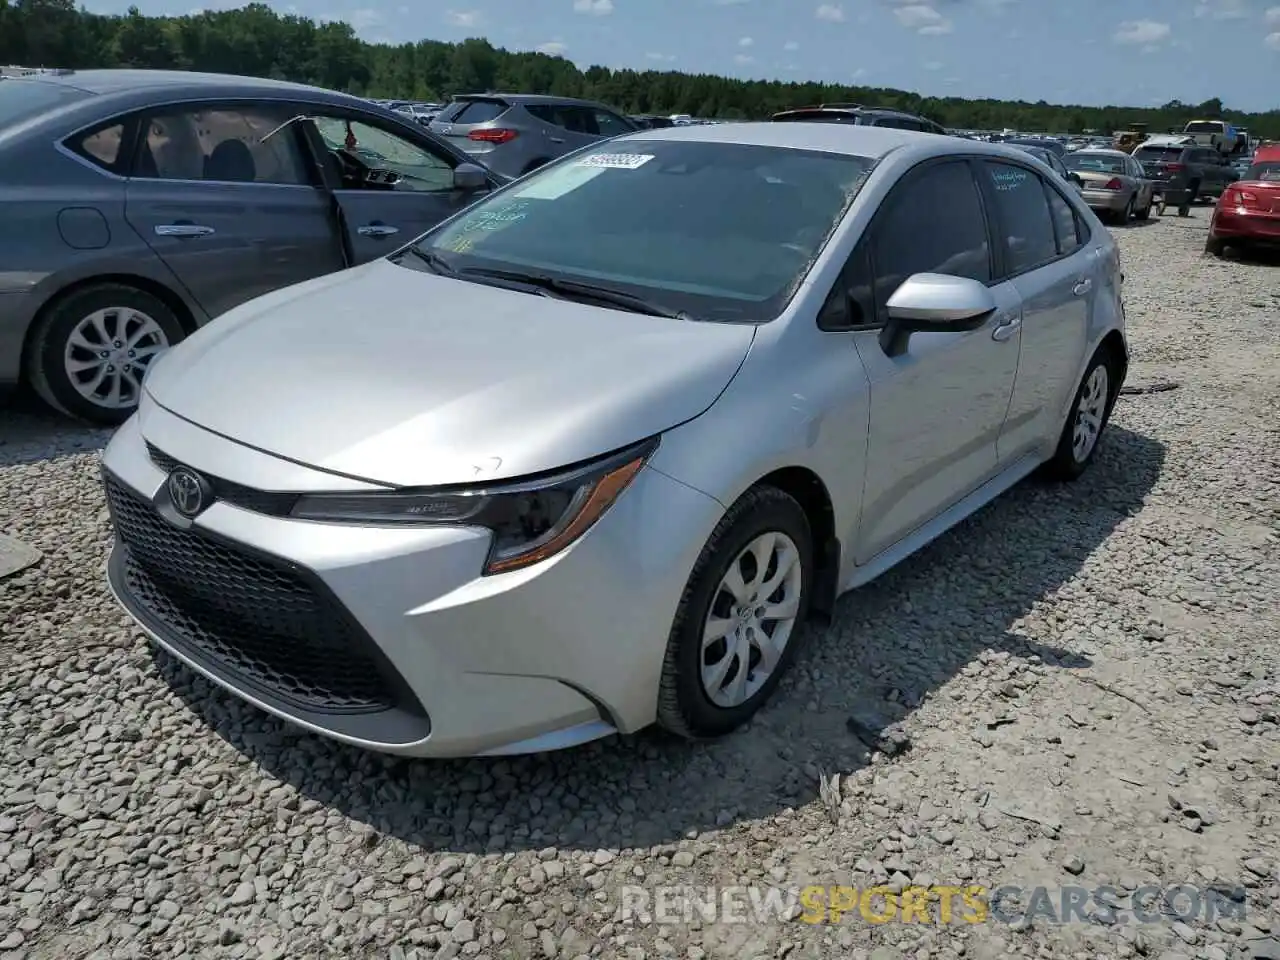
(1131, 52)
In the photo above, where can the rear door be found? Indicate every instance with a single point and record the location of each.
(390, 182)
(1041, 252)
(565, 127)
(233, 212)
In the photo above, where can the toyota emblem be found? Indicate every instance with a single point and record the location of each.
(188, 491)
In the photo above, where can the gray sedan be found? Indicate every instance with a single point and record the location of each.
(1114, 183)
(583, 457)
(136, 205)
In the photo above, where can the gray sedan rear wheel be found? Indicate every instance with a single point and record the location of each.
(89, 350)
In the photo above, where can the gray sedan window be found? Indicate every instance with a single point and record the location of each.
(221, 144)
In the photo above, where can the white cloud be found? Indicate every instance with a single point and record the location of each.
(1141, 32)
(463, 18)
(1223, 9)
(791, 45)
(831, 12)
(730, 3)
(922, 18)
(660, 57)
(555, 48)
(1272, 17)
(745, 42)
(1272, 40)
(933, 65)
(742, 59)
(593, 8)
(365, 19)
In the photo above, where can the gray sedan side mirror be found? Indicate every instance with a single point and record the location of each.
(469, 177)
(934, 303)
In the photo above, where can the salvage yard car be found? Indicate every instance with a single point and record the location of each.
(137, 204)
(1115, 184)
(1248, 213)
(585, 456)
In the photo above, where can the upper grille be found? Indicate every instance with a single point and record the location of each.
(257, 618)
(238, 495)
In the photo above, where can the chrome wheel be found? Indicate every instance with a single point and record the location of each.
(1090, 410)
(109, 351)
(749, 623)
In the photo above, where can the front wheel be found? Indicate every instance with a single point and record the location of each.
(1089, 416)
(734, 632)
(89, 351)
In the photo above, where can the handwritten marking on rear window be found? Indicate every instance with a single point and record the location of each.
(1006, 180)
(616, 161)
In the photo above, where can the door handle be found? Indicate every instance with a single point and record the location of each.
(183, 230)
(1006, 328)
(557, 139)
(1083, 286)
(377, 230)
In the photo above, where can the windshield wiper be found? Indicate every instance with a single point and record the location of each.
(433, 260)
(577, 290)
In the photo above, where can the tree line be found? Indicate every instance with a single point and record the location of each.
(257, 41)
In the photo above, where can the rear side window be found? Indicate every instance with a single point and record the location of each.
(223, 145)
(1023, 210)
(479, 111)
(103, 147)
(22, 100)
(933, 223)
(1069, 232)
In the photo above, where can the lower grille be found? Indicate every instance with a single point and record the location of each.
(256, 618)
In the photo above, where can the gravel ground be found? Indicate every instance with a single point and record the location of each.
(1077, 687)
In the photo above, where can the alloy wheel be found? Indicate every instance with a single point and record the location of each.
(1090, 412)
(108, 353)
(751, 618)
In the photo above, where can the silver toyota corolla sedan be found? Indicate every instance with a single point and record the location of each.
(585, 456)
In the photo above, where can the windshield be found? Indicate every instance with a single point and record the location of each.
(720, 231)
(1268, 172)
(1205, 126)
(1097, 162)
(1158, 154)
(22, 100)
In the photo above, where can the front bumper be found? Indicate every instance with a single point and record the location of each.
(389, 638)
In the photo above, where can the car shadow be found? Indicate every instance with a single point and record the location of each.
(30, 432)
(893, 644)
(1254, 256)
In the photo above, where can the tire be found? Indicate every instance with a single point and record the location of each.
(46, 360)
(1068, 461)
(1145, 212)
(1215, 246)
(1126, 215)
(685, 707)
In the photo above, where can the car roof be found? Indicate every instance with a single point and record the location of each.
(859, 141)
(852, 111)
(527, 98)
(1101, 152)
(122, 81)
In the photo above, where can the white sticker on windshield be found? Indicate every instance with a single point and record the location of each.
(616, 161)
(555, 183)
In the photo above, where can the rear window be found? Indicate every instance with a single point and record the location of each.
(22, 100)
(819, 116)
(1205, 126)
(477, 111)
(1158, 154)
(1269, 172)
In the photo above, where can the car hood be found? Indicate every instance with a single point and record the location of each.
(405, 378)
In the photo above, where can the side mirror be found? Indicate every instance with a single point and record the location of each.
(469, 177)
(934, 303)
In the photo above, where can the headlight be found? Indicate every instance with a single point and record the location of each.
(531, 520)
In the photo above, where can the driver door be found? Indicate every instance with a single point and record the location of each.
(390, 184)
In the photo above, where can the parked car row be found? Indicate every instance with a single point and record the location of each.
(335, 504)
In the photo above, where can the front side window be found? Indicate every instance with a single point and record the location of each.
(721, 231)
(373, 158)
(932, 223)
(1023, 213)
(222, 145)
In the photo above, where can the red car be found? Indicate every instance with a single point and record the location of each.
(1248, 212)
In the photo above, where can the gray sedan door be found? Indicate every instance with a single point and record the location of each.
(390, 184)
(233, 216)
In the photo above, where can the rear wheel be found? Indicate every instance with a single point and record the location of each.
(89, 350)
(1089, 416)
(1215, 246)
(1145, 212)
(734, 631)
